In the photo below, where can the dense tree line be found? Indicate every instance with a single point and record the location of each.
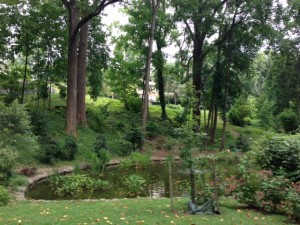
(63, 44)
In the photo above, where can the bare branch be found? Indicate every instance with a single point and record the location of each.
(98, 10)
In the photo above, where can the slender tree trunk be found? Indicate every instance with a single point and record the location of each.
(81, 75)
(214, 127)
(204, 111)
(148, 64)
(50, 94)
(193, 182)
(49, 78)
(25, 71)
(222, 146)
(161, 84)
(171, 186)
(72, 73)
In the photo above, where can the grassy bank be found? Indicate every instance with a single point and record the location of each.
(128, 211)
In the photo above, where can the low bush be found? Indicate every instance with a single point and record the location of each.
(76, 184)
(50, 150)
(70, 149)
(135, 137)
(4, 196)
(239, 111)
(289, 120)
(152, 129)
(135, 185)
(7, 163)
(38, 122)
(136, 159)
(264, 190)
(243, 143)
(281, 155)
(17, 181)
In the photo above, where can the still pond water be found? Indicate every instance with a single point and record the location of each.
(156, 176)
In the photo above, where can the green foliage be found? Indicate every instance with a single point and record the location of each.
(152, 129)
(15, 130)
(39, 122)
(17, 181)
(243, 143)
(133, 104)
(8, 160)
(75, 184)
(289, 120)
(50, 150)
(264, 190)
(281, 155)
(4, 196)
(70, 148)
(100, 155)
(135, 185)
(100, 144)
(265, 112)
(139, 160)
(239, 111)
(135, 137)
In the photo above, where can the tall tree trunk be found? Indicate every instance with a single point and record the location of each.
(25, 71)
(148, 64)
(81, 75)
(197, 83)
(161, 83)
(72, 72)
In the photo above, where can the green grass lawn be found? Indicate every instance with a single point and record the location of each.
(128, 211)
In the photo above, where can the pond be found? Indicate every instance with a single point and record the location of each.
(156, 176)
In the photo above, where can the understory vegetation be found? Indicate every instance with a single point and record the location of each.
(267, 176)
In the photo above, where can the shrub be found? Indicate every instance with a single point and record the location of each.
(135, 137)
(17, 181)
(75, 184)
(239, 111)
(281, 154)
(15, 131)
(39, 122)
(135, 185)
(50, 150)
(289, 120)
(7, 162)
(100, 144)
(4, 196)
(151, 129)
(133, 104)
(243, 143)
(264, 190)
(71, 148)
(136, 159)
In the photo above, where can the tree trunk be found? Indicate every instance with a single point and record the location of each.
(222, 146)
(49, 98)
(25, 71)
(148, 65)
(160, 80)
(214, 127)
(72, 73)
(193, 183)
(81, 75)
(197, 83)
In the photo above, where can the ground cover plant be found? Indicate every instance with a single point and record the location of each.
(129, 211)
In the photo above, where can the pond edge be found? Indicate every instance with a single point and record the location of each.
(43, 173)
